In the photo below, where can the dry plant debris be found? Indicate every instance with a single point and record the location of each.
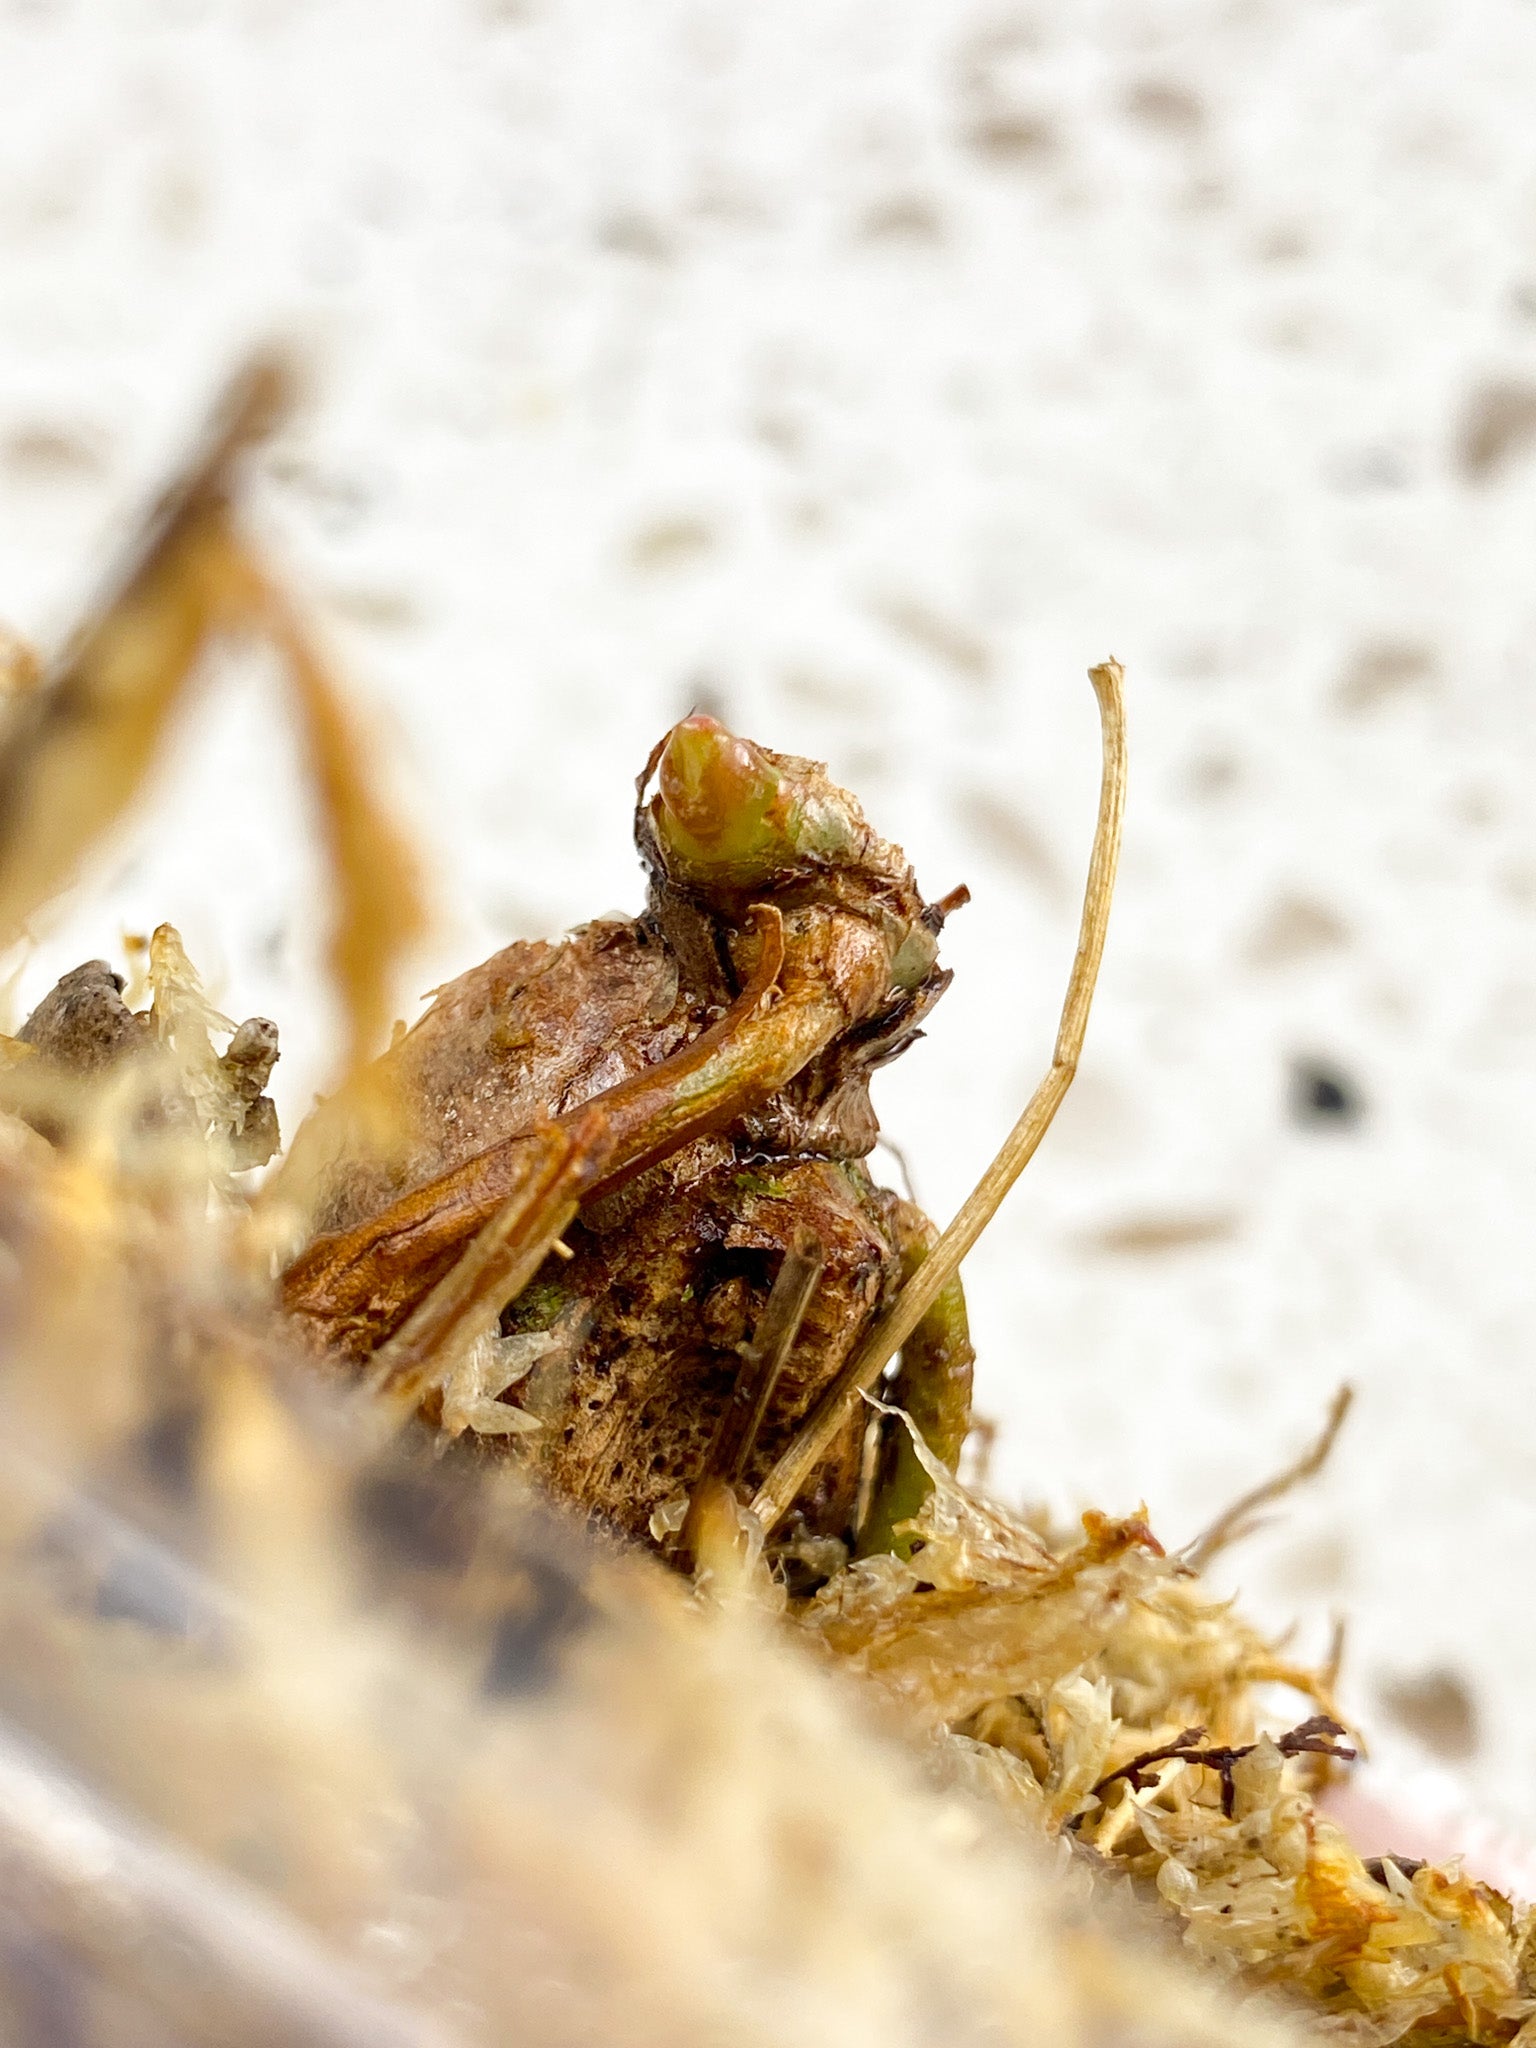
(308, 1726)
(1103, 1694)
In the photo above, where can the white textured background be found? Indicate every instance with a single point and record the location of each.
(874, 368)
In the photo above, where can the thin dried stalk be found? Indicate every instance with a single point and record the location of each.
(771, 1344)
(1240, 1518)
(497, 1265)
(793, 1469)
(762, 1361)
(80, 745)
(379, 911)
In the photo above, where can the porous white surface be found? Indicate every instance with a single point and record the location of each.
(869, 370)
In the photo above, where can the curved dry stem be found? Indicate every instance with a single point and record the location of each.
(370, 1276)
(379, 910)
(789, 1475)
(763, 1356)
(81, 743)
(1242, 1517)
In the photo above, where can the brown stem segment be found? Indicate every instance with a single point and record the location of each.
(763, 1358)
(778, 1491)
(722, 1073)
(378, 910)
(360, 1283)
(496, 1267)
(762, 1361)
(84, 743)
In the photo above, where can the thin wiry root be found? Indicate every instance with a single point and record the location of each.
(1317, 1736)
(1243, 1516)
